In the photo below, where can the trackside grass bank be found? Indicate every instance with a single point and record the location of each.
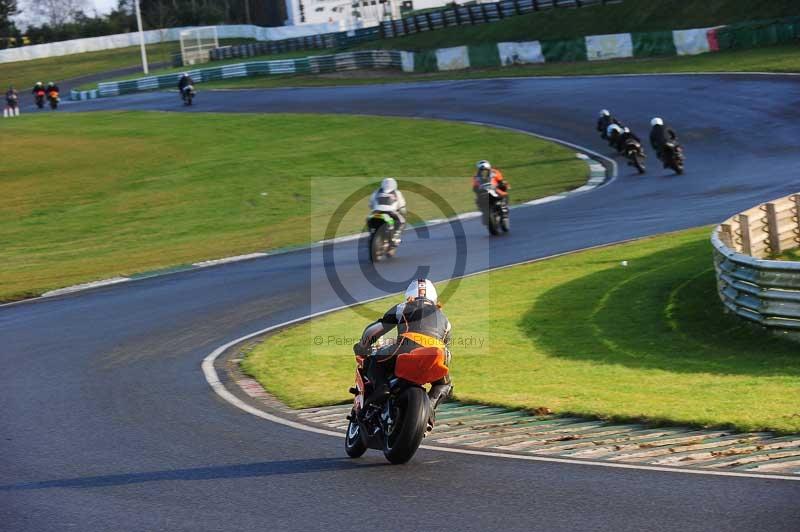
(128, 192)
(582, 335)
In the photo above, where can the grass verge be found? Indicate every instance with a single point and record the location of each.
(127, 192)
(579, 334)
(790, 255)
(775, 59)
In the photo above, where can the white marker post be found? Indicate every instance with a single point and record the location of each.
(141, 37)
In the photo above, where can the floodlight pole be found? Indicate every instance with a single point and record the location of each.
(141, 36)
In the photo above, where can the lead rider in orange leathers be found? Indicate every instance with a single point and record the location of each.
(420, 322)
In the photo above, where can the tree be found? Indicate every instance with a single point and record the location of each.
(8, 31)
(58, 12)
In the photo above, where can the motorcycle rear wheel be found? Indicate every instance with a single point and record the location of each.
(354, 444)
(410, 423)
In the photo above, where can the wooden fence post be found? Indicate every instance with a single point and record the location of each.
(726, 236)
(744, 229)
(773, 231)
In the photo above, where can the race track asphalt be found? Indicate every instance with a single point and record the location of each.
(108, 423)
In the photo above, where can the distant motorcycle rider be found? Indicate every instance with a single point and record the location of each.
(51, 88)
(660, 136)
(604, 121)
(487, 174)
(613, 134)
(420, 322)
(38, 87)
(12, 97)
(184, 81)
(388, 198)
(627, 135)
(12, 103)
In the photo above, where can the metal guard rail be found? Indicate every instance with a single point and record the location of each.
(749, 283)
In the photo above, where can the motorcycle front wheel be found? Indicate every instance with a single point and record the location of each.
(491, 222)
(409, 421)
(354, 444)
(378, 243)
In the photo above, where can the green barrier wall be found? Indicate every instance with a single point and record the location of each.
(560, 51)
(653, 43)
(425, 61)
(760, 33)
(484, 55)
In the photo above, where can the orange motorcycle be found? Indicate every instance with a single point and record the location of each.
(53, 99)
(397, 424)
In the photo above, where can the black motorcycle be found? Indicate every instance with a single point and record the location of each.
(635, 154)
(494, 211)
(188, 94)
(396, 424)
(381, 242)
(672, 157)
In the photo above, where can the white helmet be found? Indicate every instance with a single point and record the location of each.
(184, 75)
(656, 122)
(626, 130)
(605, 112)
(389, 185)
(483, 165)
(422, 288)
(612, 128)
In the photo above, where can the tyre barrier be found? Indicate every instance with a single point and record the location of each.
(750, 283)
(481, 13)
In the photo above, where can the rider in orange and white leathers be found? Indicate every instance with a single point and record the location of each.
(420, 322)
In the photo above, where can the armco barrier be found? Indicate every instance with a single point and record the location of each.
(763, 291)
(422, 22)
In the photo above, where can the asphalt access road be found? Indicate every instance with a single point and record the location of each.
(109, 424)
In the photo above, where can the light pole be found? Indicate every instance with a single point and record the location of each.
(141, 36)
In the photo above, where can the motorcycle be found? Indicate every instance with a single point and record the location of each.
(39, 94)
(188, 94)
(635, 155)
(53, 99)
(381, 242)
(397, 424)
(672, 156)
(493, 209)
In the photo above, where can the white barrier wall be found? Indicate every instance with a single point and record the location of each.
(520, 52)
(616, 46)
(691, 42)
(455, 58)
(124, 40)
